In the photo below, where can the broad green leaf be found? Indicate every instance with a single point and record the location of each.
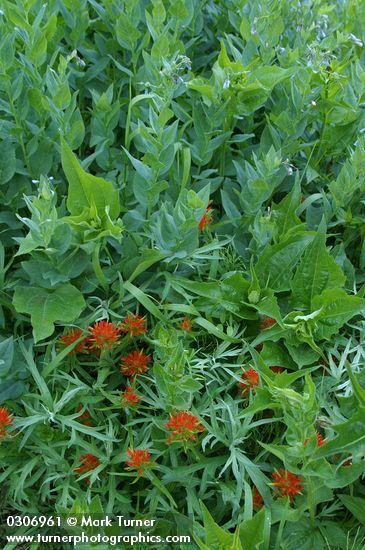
(48, 306)
(316, 272)
(87, 191)
(284, 213)
(356, 505)
(337, 308)
(277, 261)
(254, 533)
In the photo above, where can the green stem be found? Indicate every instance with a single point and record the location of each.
(281, 526)
(311, 503)
(97, 268)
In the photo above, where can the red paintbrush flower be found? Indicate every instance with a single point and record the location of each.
(103, 335)
(267, 323)
(257, 500)
(72, 335)
(206, 218)
(320, 440)
(5, 420)
(139, 460)
(84, 417)
(183, 426)
(185, 324)
(88, 463)
(287, 483)
(129, 398)
(134, 363)
(250, 380)
(133, 325)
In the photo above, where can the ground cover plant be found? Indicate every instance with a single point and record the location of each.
(182, 268)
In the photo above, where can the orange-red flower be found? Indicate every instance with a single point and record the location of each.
(88, 463)
(267, 323)
(287, 483)
(71, 337)
(206, 218)
(183, 426)
(139, 460)
(133, 325)
(103, 335)
(84, 417)
(134, 363)
(320, 440)
(129, 398)
(250, 380)
(257, 500)
(5, 420)
(185, 324)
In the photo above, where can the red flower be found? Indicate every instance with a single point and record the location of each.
(103, 335)
(139, 459)
(71, 337)
(320, 440)
(347, 463)
(185, 324)
(250, 381)
(129, 398)
(267, 323)
(133, 325)
(277, 370)
(5, 420)
(206, 219)
(183, 426)
(287, 483)
(88, 463)
(134, 363)
(83, 418)
(257, 500)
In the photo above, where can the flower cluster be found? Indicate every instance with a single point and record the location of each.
(133, 325)
(134, 363)
(287, 483)
(5, 420)
(267, 323)
(206, 218)
(250, 380)
(139, 459)
(129, 398)
(183, 426)
(72, 336)
(88, 463)
(185, 324)
(103, 335)
(319, 438)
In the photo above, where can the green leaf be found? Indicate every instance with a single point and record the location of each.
(86, 190)
(255, 532)
(316, 272)
(356, 505)
(284, 212)
(47, 306)
(337, 308)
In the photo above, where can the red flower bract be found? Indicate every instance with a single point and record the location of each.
(183, 426)
(84, 417)
(139, 459)
(287, 483)
(277, 370)
(5, 420)
(103, 335)
(185, 324)
(129, 398)
(134, 363)
(71, 337)
(320, 440)
(250, 380)
(206, 219)
(88, 463)
(257, 500)
(267, 323)
(133, 325)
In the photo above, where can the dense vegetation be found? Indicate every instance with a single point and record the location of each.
(182, 267)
